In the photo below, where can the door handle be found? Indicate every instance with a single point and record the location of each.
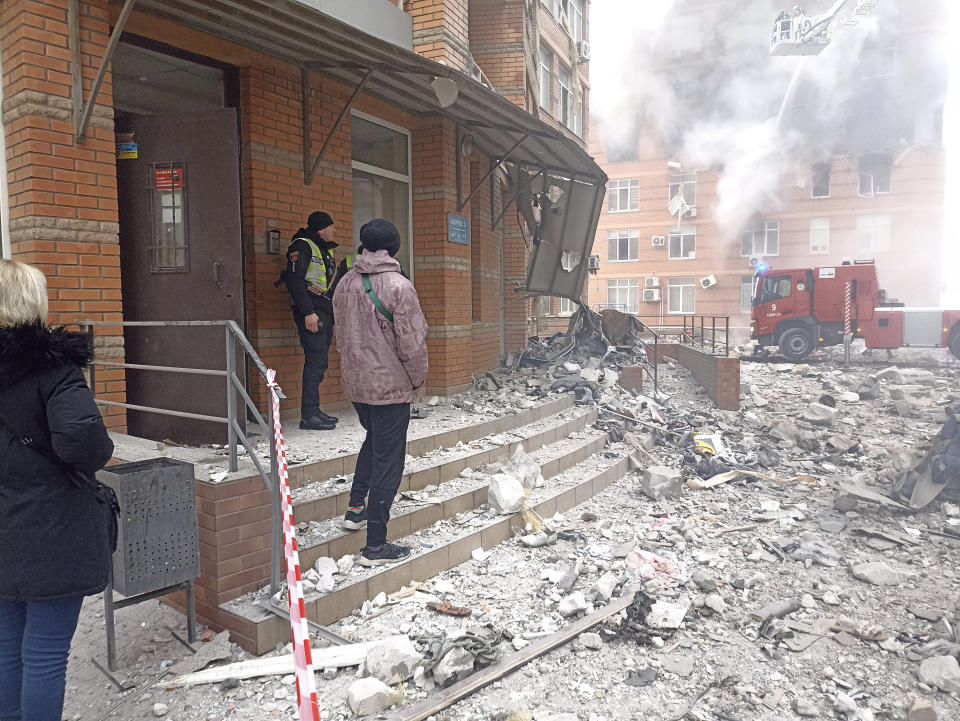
(218, 272)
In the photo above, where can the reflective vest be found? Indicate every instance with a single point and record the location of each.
(350, 260)
(316, 276)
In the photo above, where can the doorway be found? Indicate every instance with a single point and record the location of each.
(178, 191)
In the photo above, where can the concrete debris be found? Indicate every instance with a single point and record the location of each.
(943, 672)
(393, 660)
(876, 572)
(666, 614)
(572, 605)
(820, 414)
(590, 640)
(920, 710)
(660, 570)
(160, 709)
(369, 696)
(660, 482)
(605, 586)
(506, 494)
(456, 664)
(680, 664)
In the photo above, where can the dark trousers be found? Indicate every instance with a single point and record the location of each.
(380, 464)
(316, 349)
(34, 644)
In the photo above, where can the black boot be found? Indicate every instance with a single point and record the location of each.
(326, 417)
(316, 424)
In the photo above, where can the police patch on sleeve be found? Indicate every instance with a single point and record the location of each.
(295, 256)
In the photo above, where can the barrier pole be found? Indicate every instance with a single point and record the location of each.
(307, 703)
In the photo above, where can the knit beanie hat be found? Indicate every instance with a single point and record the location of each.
(380, 234)
(319, 220)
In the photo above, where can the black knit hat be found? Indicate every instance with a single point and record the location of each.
(380, 234)
(319, 220)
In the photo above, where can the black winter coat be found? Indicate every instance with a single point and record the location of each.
(53, 533)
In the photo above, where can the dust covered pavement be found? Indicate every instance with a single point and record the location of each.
(797, 589)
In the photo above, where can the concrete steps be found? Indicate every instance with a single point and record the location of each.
(444, 527)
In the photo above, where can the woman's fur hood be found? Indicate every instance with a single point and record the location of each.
(26, 349)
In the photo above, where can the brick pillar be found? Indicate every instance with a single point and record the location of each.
(518, 307)
(63, 195)
(497, 42)
(486, 246)
(441, 269)
(440, 30)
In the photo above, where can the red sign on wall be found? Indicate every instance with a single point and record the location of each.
(168, 178)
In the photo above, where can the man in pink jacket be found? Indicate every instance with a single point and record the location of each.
(382, 339)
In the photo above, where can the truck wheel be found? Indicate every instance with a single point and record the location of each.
(955, 341)
(796, 344)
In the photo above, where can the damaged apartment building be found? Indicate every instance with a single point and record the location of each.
(797, 162)
(156, 156)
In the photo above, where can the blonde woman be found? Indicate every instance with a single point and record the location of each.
(54, 538)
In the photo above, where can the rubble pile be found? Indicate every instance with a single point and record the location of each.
(768, 561)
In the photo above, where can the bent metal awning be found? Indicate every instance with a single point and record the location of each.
(302, 36)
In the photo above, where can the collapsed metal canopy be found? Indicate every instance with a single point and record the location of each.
(304, 37)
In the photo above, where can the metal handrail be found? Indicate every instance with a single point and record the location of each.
(690, 332)
(235, 434)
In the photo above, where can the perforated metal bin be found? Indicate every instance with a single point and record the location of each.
(157, 541)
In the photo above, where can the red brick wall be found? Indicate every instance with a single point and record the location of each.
(63, 198)
(718, 375)
(440, 30)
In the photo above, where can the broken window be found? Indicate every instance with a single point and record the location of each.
(819, 235)
(873, 233)
(821, 180)
(761, 238)
(623, 294)
(875, 174)
(681, 295)
(546, 62)
(685, 183)
(683, 243)
(566, 96)
(566, 307)
(623, 245)
(746, 293)
(623, 195)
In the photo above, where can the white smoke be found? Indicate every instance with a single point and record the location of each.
(721, 108)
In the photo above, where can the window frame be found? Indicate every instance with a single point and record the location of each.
(632, 238)
(824, 226)
(869, 171)
(682, 282)
(768, 226)
(546, 69)
(628, 285)
(682, 181)
(630, 184)
(873, 225)
(390, 175)
(157, 249)
(682, 232)
(813, 179)
(564, 96)
(564, 312)
(747, 281)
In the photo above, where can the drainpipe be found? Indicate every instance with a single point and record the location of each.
(4, 190)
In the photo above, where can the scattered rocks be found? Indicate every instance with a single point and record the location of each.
(572, 605)
(505, 494)
(393, 660)
(456, 664)
(820, 414)
(942, 672)
(591, 641)
(875, 572)
(369, 696)
(660, 482)
(920, 710)
(160, 709)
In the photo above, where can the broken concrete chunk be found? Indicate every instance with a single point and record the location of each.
(875, 572)
(660, 482)
(591, 641)
(370, 696)
(704, 580)
(572, 605)
(783, 430)
(665, 614)
(942, 672)
(715, 602)
(455, 665)
(920, 710)
(325, 566)
(605, 586)
(505, 494)
(393, 660)
(820, 414)
(680, 664)
(869, 390)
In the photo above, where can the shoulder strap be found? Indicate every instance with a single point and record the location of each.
(375, 298)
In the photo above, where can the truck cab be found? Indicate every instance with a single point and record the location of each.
(782, 300)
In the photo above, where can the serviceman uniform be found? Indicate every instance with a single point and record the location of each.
(309, 277)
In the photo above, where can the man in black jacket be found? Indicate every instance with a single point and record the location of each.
(309, 275)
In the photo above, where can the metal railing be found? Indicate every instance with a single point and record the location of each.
(704, 336)
(235, 433)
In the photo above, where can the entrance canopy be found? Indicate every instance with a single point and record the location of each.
(302, 36)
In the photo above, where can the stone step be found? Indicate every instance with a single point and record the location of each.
(435, 550)
(306, 473)
(469, 494)
(326, 499)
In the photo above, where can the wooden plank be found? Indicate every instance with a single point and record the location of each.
(477, 681)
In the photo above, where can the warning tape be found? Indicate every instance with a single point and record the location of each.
(303, 661)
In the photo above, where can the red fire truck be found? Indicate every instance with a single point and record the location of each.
(801, 309)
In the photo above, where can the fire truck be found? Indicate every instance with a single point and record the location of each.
(801, 309)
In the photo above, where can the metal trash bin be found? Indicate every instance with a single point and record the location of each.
(158, 550)
(157, 542)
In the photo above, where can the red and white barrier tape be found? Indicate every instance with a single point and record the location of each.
(303, 662)
(848, 308)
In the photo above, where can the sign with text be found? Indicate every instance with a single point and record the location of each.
(458, 229)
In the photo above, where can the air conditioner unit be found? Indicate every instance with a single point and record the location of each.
(691, 212)
(651, 282)
(583, 50)
(755, 260)
(593, 263)
(651, 295)
(658, 240)
(708, 282)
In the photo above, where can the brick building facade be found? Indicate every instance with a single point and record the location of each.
(869, 186)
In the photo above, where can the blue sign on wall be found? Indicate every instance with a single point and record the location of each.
(458, 229)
